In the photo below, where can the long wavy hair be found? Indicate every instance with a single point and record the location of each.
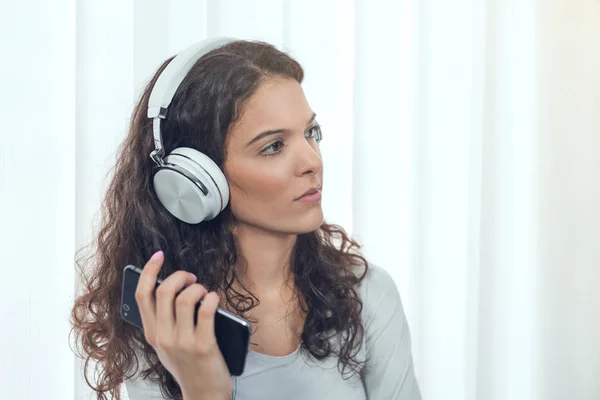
(134, 225)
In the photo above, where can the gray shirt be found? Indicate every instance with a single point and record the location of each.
(390, 374)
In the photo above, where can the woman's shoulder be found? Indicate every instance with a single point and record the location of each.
(376, 279)
(378, 292)
(142, 389)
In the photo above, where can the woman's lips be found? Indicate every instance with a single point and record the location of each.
(311, 198)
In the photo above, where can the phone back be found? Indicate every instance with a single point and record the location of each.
(231, 331)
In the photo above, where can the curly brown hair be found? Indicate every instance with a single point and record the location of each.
(134, 225)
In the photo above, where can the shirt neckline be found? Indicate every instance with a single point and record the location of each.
(275, 359)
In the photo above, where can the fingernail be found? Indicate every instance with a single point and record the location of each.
(194, 277)
(157, 255)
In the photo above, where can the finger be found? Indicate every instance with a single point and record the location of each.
(205, 329)
(144, 293)
(186, 308)
(165, 302)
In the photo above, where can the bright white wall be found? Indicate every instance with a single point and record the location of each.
(37, 198)
(569, 201)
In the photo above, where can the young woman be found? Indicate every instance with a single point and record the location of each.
(325, 323)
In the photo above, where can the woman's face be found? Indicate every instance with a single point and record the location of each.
(268, 173)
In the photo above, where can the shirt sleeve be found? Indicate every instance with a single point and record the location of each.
(390, 372)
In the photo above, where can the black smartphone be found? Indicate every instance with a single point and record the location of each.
(231, 331)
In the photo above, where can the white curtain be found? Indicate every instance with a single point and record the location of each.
(461, 147)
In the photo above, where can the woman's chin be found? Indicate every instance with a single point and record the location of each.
(311, 222)
(308, 221)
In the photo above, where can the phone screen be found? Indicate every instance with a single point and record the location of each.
(231, 331)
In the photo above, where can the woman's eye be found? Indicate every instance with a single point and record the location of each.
(273, 149)
(315, 133)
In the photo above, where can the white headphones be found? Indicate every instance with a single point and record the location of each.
(187, 182)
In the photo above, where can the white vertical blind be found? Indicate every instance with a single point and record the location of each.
(37, 198)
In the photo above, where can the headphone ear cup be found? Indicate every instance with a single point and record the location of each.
(178, 186)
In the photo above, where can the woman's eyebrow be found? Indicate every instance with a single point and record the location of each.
(276, 131)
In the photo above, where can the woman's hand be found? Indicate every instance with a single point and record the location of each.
(190, 353)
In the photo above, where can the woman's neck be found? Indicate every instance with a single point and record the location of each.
(266, 258)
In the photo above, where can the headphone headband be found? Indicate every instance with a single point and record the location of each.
(169, 80)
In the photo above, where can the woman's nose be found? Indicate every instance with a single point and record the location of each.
(310, 161)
